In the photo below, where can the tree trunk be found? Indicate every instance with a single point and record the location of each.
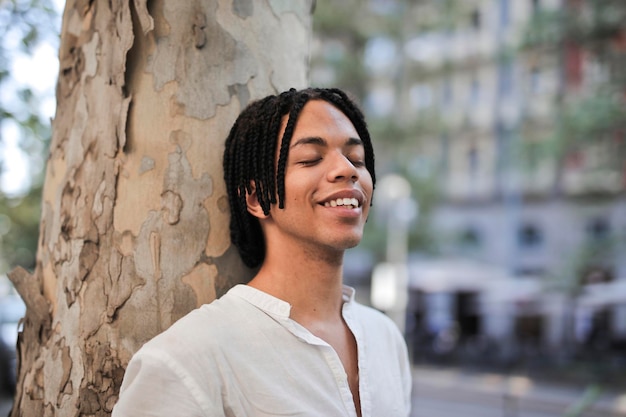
(134, 228)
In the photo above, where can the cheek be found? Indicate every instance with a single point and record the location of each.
(366, 184)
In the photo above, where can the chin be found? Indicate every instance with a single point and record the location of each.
(343, 241)
(350, 243)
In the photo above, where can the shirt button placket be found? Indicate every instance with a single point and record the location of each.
(335, 365)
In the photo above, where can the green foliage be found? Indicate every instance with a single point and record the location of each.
(591, 117)
(19, 229)
(597, 118)
(594, 253)
(344, 28)
(580, 123)
(594, 25)
(585, 402)
(547, 29)
(24, 25)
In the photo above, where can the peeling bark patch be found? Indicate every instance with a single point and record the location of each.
(91, 54)
(84, 7)
(77, 60)
(89, 404)
(123, 280)
(87, 259)
(76, 220)
(121, 127)
(243, 8)
(146, 21)
(231, 271)
(172, 204)
(71, 63)
(33, 383)
(70, 270)
(180, 229)
(155, 254)
(303, 9)
(202, 281)
(147, 164)
(242, 93)
(30, 393)
(98, 204)
(199, 24)
(126, 243)
(104, 371)
(28, 288)
(222, 204)
(49, 378)
(203, 74)
(61, 353)
(69, 195)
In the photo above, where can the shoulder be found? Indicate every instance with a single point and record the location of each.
(205, 328)
(377, 328)
(374, 318)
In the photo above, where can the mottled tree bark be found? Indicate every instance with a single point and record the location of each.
(134, 228)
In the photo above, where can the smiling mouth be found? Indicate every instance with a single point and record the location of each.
(343, 202)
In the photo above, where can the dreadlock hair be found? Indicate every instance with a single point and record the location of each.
(249, 158)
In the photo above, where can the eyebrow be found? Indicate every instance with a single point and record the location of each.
(318, 141)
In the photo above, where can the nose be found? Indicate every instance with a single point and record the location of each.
(342, 169)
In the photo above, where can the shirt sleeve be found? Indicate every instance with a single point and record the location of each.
(156, 387)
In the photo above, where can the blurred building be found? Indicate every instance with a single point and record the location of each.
(531, 221)
(537, 223)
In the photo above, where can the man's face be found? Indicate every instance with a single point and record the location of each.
(328, 189)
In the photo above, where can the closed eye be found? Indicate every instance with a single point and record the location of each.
(357, 162)
(310, 162)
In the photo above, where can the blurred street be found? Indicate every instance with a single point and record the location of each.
(5, 405)
(449, 392)
(439, 392)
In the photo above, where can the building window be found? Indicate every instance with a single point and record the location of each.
(594, 274)
(476, 19)
(445, 153)
(446, 92)
(535, 79)
(380, 101)
(504, 13)
(535, 5)
(505, 78)
(472, 161)
(529, 236)
(421, 96)
(598, 229)
(474, 92)
(470, 238)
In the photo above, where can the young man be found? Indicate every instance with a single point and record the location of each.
(299, 170)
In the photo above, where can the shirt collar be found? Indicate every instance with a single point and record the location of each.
(275, 306)
(348, 294)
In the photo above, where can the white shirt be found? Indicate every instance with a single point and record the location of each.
(242, 355)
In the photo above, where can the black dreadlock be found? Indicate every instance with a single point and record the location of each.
(249, 157)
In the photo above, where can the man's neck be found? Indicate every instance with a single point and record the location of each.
(310, 283)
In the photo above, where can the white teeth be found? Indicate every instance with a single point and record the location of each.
(342, 202)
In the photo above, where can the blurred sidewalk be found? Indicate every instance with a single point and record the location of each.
(438, 392)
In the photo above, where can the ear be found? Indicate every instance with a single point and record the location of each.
(252, 203)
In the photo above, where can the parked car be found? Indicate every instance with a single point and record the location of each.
(12, 309)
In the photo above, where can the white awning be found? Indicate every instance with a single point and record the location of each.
(603, 294)
(442, 275)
